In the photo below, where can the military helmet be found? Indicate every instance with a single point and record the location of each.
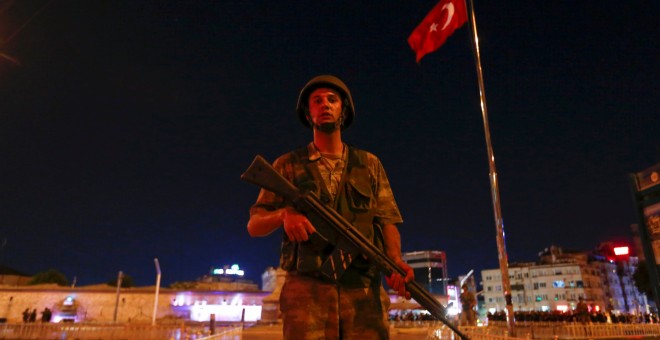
(330, 82)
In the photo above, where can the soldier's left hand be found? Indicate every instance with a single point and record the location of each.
(398, 282)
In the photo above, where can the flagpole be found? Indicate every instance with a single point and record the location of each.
(494, 186)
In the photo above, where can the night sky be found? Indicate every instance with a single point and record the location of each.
(125, 125)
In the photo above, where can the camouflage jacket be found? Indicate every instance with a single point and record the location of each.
(364, 198)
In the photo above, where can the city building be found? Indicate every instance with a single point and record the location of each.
(561, 277)
(103, 303)
(223, 292)
(430, 267)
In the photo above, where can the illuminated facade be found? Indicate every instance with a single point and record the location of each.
(100, 303)
(223, 292)
(551, 287)
(561, 278)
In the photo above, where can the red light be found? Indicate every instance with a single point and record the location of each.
(620, 251)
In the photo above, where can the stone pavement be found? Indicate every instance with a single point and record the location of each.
(274, 332)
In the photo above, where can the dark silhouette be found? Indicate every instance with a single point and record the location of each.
(46, 315)
(468, 302)
(582, 311)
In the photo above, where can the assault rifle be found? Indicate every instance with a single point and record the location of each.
(339, 233)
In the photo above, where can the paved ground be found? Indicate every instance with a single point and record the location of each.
(274, 332)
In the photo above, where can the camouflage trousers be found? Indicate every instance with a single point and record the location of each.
(468, 318)
(312, 309)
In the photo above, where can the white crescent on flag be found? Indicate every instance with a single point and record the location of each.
(449, 7)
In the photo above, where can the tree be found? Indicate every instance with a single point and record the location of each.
(186, 285)
(49, 276)
(126, 282)
(642, 280)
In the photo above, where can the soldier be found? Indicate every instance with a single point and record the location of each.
(353, 182)
(468, 302)
(46, 315)
(582, 311)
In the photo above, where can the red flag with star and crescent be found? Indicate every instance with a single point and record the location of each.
(446, 17)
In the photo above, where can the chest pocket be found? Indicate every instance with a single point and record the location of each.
(360, 195)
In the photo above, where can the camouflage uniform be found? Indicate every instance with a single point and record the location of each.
(313, 309)
(468, 302)
(582, 311)
(356, 306)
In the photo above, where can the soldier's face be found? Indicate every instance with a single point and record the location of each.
(324, 106)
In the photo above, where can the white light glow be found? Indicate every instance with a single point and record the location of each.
(620, 251)
(225, 313)
(68, 301)
(234, 270)
(454, 305)
(453, 310)
(58, 318)
(181, 300)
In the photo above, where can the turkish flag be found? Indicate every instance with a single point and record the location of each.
(446, 17)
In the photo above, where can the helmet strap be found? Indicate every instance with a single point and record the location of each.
(327, 127)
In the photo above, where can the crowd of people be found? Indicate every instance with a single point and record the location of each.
(410, 316)
(31, 316)
(594, 317)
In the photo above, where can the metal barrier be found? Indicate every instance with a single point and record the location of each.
(556, 330)
(583, 331)
(85, 331)
(437, 330)
(430, 329)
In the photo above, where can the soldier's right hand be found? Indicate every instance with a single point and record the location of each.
(296, 225)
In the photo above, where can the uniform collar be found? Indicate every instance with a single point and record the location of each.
(313, 152)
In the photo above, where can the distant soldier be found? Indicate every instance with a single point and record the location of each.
(468, 302)
(26, 315)
(46, 315)
(582, 311)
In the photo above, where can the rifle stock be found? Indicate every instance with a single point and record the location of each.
(262, 174)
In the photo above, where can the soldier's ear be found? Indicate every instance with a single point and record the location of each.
(308, 116)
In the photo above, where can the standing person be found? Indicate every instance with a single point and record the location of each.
(582, 311)
(46, 315)
(468, 302)
(26, 315)
(354, 183)
(33, 315)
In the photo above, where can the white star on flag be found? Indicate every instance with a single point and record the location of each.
(434, 27)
